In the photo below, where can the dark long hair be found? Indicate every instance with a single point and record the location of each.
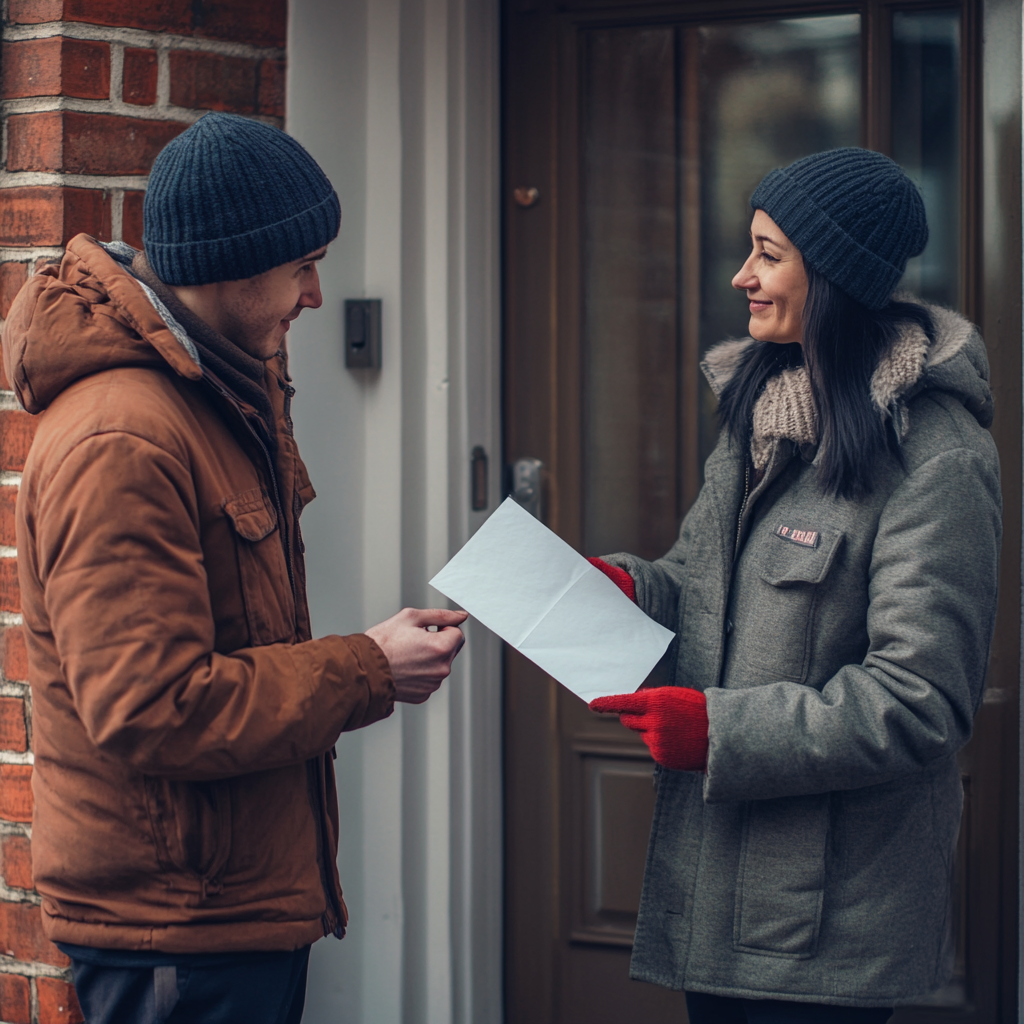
(842, 344)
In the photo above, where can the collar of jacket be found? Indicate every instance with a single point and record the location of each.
(785, 410)
(238, 373)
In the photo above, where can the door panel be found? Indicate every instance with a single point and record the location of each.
(643, 128)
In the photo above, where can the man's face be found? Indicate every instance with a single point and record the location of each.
(255, 313)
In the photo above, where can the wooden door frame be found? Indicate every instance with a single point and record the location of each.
(537, 242)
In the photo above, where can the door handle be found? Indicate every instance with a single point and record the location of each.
(526, 484)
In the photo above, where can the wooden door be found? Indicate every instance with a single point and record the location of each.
(634, 134)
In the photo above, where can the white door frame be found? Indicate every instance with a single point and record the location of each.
(399, 102)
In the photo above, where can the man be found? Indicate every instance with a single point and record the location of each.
(185, 828)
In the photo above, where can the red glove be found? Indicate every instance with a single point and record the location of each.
(671, 720)
(619, 577)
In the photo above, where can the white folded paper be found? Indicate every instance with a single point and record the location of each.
(528, 586)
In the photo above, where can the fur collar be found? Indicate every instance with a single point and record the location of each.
(785, 410)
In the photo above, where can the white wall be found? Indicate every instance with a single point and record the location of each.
(398, 101)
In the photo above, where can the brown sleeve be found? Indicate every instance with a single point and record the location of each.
(114, 540)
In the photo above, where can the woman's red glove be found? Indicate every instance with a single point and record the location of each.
(618, 576)
(671, 720)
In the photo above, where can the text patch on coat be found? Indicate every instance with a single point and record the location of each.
(805, 538)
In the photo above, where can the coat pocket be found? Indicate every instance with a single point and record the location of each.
(262, 567)
(781, 884)
(775, 622)
(191, 825)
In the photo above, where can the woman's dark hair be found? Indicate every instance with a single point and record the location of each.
(843, 341)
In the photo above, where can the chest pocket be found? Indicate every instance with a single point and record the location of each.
(262, 567)
(776, 602)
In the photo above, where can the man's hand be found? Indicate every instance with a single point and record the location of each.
(420, 659)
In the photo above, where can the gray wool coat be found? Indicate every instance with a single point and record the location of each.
(842, 648)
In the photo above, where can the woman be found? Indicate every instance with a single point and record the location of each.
(833, 591)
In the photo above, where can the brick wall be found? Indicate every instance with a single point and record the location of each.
(90, 90)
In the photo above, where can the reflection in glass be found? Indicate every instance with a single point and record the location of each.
(926, 140)
(630, 338)
(770, 92)
(678, 125)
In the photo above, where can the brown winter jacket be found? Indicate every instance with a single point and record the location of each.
(183, 719)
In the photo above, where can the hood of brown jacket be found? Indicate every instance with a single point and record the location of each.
(80, 317)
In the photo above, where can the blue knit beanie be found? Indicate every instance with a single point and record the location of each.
(853, 214)
(230, 198)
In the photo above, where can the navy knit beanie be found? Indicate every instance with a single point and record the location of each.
(853, 214)
(230, 198)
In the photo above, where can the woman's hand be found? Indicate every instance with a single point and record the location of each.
(671, 720)
(420, 658)
(618, 576)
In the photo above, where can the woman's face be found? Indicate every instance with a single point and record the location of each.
(775, 281)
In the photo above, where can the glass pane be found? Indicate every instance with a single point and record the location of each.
(756, 95)
(926, 140)
(770, 92)
(630, 332)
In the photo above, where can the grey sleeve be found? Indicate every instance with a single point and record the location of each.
(932, 600)
(658, 583)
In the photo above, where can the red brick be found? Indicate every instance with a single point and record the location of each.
(17, 853)
(85, 69)
(106, 144)
(86, 143)
(35, 142)
(210, 81)
(14, 999)
(8, 499)
(10, 594)
(139, 77)
(14, 654)
(17, 429)
(15, 797)
(55, 67)
(58, 1003)
(34, 12)
(21, 936)
(12, 277)
(260, 22)
(51, 215)
(13, 735)
(32, 216)
(131, 218)
(30, 68)
(155, 15)
(271, 88)
(88, 210)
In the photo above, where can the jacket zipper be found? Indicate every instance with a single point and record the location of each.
(317, 783)
(743, 509)
(333, 920)
(276, 494)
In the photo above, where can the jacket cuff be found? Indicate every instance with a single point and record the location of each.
(376, 675)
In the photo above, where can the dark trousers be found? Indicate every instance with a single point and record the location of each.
(252, 988)
(704, 1009)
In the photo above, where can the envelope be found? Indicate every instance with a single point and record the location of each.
(539, 595)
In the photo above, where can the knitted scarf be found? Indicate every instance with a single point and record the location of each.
(786, 411)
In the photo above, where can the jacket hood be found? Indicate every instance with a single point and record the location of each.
(87, 315)
(955, 362)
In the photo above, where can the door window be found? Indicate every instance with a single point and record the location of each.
(678, 124)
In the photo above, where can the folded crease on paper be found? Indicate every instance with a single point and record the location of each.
(539, 595)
